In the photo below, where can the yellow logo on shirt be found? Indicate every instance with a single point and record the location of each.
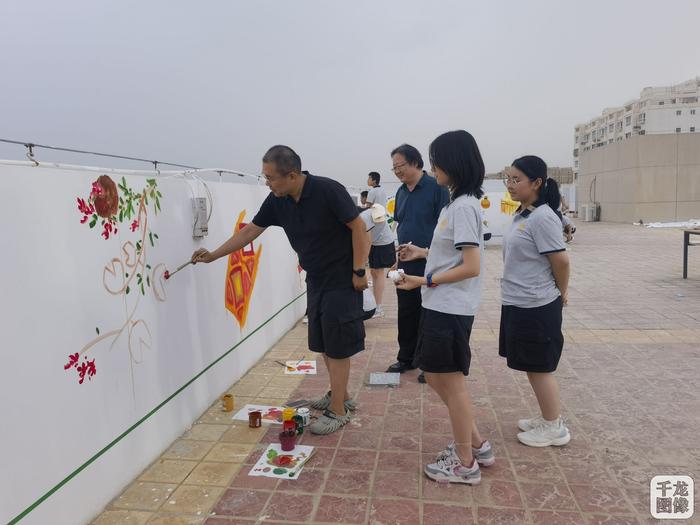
(443, 224)
(521, 226)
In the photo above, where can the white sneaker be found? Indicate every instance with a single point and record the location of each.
(305, 320)
(379, 313)
(529, 424)
(546, 434)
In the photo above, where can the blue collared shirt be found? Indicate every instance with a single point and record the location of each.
(417, 213)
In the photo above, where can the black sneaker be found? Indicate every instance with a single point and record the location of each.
(400, 367)
(421, 378)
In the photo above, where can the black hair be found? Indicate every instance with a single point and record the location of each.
(535, 168)
(411, 154)
(364, 193)
(457, 154)
(376, 177)
(284, 158)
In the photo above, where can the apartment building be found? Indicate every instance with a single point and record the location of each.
(658, 110)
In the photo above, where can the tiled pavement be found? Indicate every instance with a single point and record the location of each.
(630, 389)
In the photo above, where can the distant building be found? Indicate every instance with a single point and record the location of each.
(658, 110)
(648, 177)
(641, 160)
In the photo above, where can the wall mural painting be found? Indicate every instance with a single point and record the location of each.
(240, 277)
(127, 276)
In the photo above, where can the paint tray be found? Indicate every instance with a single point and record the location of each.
(384, 379)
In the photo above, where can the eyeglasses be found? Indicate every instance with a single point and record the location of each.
(273, 178)
(398, 167)
(511, 180)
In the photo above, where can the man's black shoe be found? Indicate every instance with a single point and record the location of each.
(400, 367)
(421, 378)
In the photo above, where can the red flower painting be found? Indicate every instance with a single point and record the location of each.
(105, 196)
(86, 368)
(111, 204)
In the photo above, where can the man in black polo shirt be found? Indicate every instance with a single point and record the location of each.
(418, 204)
(324, 228)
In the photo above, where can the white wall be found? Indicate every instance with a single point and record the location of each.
(53, 298)
(497, 222)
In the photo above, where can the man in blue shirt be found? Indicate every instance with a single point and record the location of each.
(418, 204)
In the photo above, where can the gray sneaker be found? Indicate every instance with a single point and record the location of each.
(329, 422)
(451, 469)
(323, 402)
(484, 455)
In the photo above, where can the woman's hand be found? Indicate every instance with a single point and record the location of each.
(410, 282)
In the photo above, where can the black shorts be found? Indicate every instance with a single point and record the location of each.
(335, 322)
(443, 342)
(383, 256)
(530, 338)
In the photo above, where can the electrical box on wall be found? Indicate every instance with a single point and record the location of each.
(199, 212)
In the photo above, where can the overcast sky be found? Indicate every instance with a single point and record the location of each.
(215, 83)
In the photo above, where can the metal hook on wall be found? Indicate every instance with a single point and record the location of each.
(30, 153)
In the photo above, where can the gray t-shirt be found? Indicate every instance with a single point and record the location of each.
(528, 281)
(380, 232)
(459, 226)
(376, 196)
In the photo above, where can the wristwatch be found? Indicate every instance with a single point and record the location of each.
(360, 272)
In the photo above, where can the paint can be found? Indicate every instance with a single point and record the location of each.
(289, 426)
(305, 415)
(255, 419)
(227, 403)
(299, 422)
(288, 414)
(288, 440)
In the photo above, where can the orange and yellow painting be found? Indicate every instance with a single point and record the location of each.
(240, 276)
(508, 205)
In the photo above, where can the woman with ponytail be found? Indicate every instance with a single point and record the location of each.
(533, 292)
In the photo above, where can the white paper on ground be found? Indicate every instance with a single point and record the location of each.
(295, 368)
(266, 465)
(384, 378)
(269, 414)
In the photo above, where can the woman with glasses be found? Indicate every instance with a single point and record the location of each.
(533, 292)
(451, 291)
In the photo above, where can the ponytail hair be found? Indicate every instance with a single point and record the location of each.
(535, 168)
(550, 194)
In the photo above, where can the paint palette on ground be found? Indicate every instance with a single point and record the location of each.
(269, 414)
(274, 463)
(384, 378)
(294, 368)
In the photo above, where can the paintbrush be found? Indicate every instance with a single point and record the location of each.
(168, 275)
(282, 364)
